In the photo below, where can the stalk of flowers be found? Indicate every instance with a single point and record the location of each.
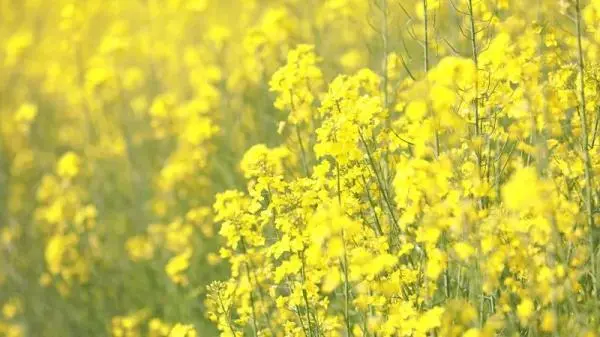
(471, 218)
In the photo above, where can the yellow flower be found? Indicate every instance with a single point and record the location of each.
(473, 332)
(463, 250)
(68, 165)
(10, 309)
(55, 251)
(548, 322)
(26, 113)
(139, 248)
(177, 265)
(415, 111)
(521, 191)
(183, 330)
(351, 60)
(331, 280)
(525, 310)
(259, 160)
(335, 247)
(213, 259)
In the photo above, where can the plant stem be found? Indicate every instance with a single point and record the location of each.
(584, 145)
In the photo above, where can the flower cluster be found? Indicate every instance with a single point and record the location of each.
(460, 201)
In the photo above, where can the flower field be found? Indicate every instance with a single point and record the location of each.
(300, 168)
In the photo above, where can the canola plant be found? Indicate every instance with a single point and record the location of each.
(300, 168)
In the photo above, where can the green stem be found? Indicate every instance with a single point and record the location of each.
(585, 148)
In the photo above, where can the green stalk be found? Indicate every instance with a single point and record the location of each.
(585, 147)
(344, 264)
